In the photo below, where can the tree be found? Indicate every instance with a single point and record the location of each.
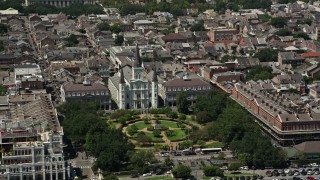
(278, 22)
(201, 143)
(168, 162)
(198, 26)
(157, 133)
(119, 40)
(203, 117)
(3, 28)
(72, 40)
(259, 73)
(182, 117)
(283, 32)
(302, 35)
(141, 159)
(213, 103)
(213, 171)
(181, 171)
(82, 31)
(103, 26)
(183, 103)
(234, 167)
(2, 90)
(110, 146)
(115, 28)
(267, 55)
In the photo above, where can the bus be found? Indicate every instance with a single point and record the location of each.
(210, 150)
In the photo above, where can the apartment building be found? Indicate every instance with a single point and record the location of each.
(31, 140)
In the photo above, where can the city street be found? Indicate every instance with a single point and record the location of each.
(83, 163)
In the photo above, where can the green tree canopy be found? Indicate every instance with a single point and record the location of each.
(141, 159)
(259, 73)
(110, 146)
(278, 22)
(119, 40)
(302, 35)
(3, 28)
(198, 26)
(209, 106)
(283, 32)
(213, 171)
(267, 55)
(183, 103)
(103, 26)
(181, 171)
(72, 40)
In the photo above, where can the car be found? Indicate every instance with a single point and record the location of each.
(224, 168)
(290, 173)
(212, 178)
(283, 174)
(169, 172)
(134, 175)
(316, 169)
(309, 173)
(286, 171)
(147, 174)
(244, 168)
(311, 178)
(314, 165)
(316, 173)
(296, 174)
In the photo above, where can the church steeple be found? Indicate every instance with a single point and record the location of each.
(121, 77)
(154, 77)
(137, 58)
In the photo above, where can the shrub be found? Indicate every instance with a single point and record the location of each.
(170, 133)
(132, 130)
(172, 115)
(157, 133)
(182, 117)
(150, 128)
(163, 110)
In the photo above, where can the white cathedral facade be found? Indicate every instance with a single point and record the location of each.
(133, 88)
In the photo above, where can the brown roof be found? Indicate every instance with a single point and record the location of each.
(309, 147)
(173, 36)
(72, 87)
(185, 83)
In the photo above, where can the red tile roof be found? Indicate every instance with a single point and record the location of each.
(310, 54)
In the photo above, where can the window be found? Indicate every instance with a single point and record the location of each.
(127, 96)
(102, 93)
(138, 95)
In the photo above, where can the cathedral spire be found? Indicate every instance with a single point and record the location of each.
(121, 77)
(154, 77)
(137, 59)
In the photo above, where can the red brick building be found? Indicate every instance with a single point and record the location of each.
(283, 116)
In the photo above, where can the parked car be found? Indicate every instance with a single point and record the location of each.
(147, 174)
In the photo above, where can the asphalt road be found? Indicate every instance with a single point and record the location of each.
(83, 163)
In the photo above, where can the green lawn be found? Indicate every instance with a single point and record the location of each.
(160, 178)
(169, 124)
(154, 139)
(214, 145)
(179, 134)
(141, 125)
